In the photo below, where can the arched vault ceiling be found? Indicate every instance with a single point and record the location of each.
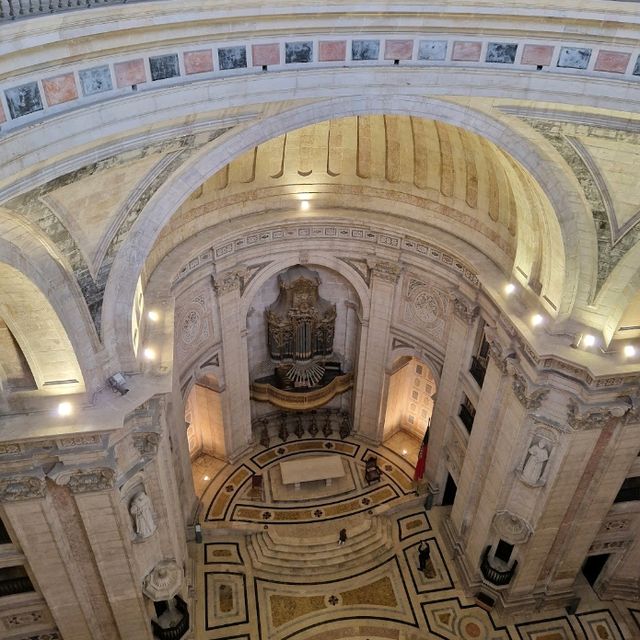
(413, 168)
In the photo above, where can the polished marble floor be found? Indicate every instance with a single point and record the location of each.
(270, 567)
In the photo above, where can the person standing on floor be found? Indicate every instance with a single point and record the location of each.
(424, 554)
(342, 537)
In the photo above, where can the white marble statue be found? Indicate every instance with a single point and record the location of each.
(534, 464)
(142, 513)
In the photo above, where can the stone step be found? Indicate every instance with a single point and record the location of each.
(274, 554)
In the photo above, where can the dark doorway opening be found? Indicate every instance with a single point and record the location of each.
(593, 565)
(449, 491)
(503, 551)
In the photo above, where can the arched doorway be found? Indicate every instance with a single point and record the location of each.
(410, 398)
(204, 419)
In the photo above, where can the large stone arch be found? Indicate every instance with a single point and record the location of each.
(569, 206)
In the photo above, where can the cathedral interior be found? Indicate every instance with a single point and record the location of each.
(319, 321)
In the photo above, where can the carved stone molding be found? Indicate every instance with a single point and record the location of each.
(89, 480)
(464, 309)
(228, 281)
(609, 545)
(511, 527)
(21, 488)
(387, 271)
(164, 582)
(530, 401)
(146, 443)
(23, 619)
(594, 417)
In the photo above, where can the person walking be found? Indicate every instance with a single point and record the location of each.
(342, 537)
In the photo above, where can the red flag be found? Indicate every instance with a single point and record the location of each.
(422, 457)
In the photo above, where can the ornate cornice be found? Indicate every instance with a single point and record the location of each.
(584, 418)
(19, 488)
(530, 401)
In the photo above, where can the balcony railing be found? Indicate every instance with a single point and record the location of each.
(178, 630)
(13, 586)
(17, 9)
(495, 576)
(478, 370)
(467, 417)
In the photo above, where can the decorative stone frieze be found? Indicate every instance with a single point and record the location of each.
(594, 417)
(89, 480)
(228, 281)
(609, 546)
(426, 307)
(511, 527)
(21, 488)
(387, 271)
(23, 619)
(79, 441)
(464, 309)
(146, 443)
(164, 582)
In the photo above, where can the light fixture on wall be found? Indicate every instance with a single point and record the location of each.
(154, 316)
(536, 320)
(629, 351)
(509, 288)
(149, 353)
(304, 205)
(117, 384)
(588, 340)
(65, 409)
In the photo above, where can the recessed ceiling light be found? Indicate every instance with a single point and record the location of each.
(205, 478)
(65, 409)
(509, 288)
(629, 351)
(154, 316)
(304, 205)
(536, 319)
(149, 353)
(588, 340)
(404, 452)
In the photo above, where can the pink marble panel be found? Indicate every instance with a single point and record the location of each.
(332, 50)
(198, 61)
(265, 54)
(537, 54)
(130, 72)
(398, 49)
(3, 118)
(612, 61)
(469, 51)
(60, 89)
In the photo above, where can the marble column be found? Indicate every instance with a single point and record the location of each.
(374, 346)
(236, 399)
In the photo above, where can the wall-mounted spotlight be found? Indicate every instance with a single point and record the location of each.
(536, 320)
(154, 316)
(629, 351)
(65, 409)
(509, 288)
(149, 353)
(117, 384)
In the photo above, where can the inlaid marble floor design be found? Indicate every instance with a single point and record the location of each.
(272, 570)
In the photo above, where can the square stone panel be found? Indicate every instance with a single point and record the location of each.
(163, 67)
(60, 89)
(198, 61)
(24, 99)
(130, 73)
(265, 54)
(466, 51)
(365, 49)
(574, 57)
(612, 61)
(95, 80)
(537, 54)
(398, 49)
(501, 52)
(332, 51)
(432, 50)
(232, 58)
(298, 52)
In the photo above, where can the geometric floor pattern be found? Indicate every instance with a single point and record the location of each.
(272, 569)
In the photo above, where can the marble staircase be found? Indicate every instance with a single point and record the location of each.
(319, 555)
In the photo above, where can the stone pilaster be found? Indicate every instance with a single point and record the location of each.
(462, 330)
(32, 517)
(236, 405)
(374, 345)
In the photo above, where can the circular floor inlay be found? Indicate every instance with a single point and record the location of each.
(472, 629)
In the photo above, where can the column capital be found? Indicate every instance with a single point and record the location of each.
(464, 308)
(17, 488)
(385, 270)
(231, 280)
(84, 479)
(146, 442)
(585, 417)
(530, 396)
